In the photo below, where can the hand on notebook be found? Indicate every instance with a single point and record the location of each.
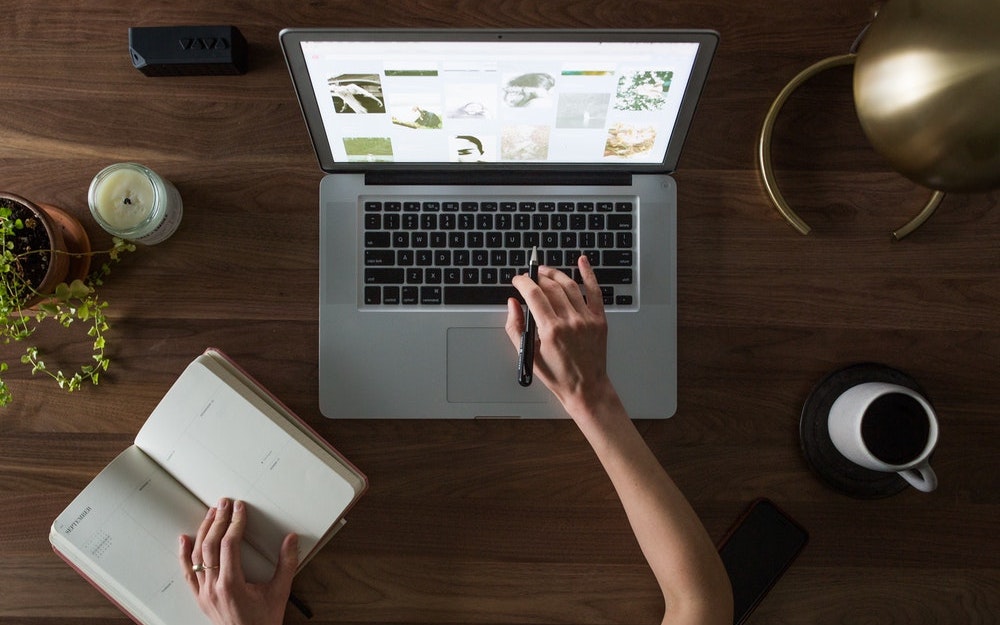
(223, 593)
(571, 336)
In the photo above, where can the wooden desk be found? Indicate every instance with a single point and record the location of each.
(514, 522)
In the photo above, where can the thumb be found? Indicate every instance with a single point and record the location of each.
(288, 562)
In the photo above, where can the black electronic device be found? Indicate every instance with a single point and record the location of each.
(188, 50)
(757, 551)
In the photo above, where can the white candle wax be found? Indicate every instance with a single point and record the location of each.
(133, 202)
(124, 198)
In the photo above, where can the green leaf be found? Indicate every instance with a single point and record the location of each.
(78, 289)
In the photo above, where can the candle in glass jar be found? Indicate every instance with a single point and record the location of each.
(133, 202)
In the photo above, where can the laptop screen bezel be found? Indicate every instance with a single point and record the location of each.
(291, 40)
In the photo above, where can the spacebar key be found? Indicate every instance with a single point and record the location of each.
(479, 295)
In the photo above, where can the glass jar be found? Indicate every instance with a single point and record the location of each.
(133, 202)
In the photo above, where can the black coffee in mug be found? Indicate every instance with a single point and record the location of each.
(895, 428)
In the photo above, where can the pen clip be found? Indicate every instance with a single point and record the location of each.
(525, 359)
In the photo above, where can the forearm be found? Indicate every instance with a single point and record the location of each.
(671, 536)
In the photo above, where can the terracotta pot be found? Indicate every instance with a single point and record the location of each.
(66, 237)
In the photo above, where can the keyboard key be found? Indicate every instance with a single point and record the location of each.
(430, 295)
(618, 221)
(383, 275)
(478, 295)
(379, 258)
(614, 275)
(617, 258)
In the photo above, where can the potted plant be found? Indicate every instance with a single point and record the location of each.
(44, 274)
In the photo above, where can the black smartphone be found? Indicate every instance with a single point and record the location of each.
(757, 551)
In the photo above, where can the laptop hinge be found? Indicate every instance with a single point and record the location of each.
(498, 178)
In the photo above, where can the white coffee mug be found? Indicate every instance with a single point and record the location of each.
(886, 427)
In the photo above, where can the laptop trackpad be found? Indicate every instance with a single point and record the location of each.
(482, 368)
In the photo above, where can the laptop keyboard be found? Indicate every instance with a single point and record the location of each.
(430, 252)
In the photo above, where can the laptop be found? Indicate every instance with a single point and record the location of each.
(449, 156)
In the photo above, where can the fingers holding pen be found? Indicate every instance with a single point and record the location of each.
(555, 296)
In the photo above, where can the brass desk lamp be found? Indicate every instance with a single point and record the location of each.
(927, 94)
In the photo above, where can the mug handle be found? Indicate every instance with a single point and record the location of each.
(922, 478)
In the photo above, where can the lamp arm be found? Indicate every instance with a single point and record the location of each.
(766, 166)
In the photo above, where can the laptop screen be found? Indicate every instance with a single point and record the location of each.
(476, 97)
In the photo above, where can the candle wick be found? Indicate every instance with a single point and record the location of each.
(128, 200)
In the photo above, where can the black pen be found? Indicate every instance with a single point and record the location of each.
(526, 355)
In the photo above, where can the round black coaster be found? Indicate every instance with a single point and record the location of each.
(823, 458)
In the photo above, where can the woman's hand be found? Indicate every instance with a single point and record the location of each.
(214, 571)
(571, 337)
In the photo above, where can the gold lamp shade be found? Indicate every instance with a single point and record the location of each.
(927, 91)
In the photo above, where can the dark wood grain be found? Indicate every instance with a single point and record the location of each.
(503, 522)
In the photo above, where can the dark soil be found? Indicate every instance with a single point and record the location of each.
(30, 238)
